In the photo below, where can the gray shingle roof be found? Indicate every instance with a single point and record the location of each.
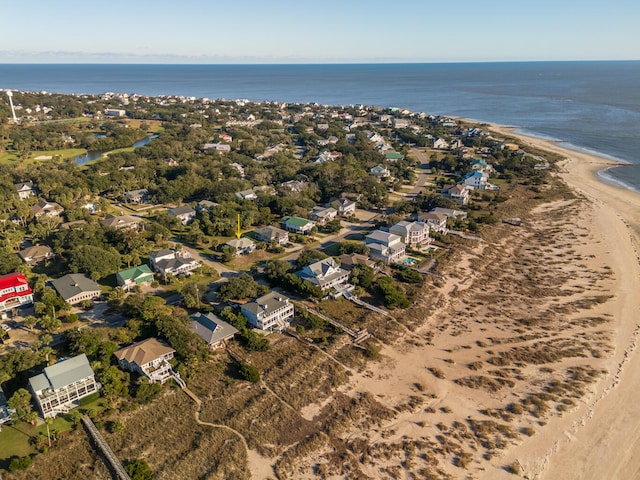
(73, 284)
(211, 328)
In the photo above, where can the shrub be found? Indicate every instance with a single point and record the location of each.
(19, 463)
(249, 372)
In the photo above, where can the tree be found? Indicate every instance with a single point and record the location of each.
(242, 286)
(21, 403)
(249, 372)
(192, 294)
(139, 470)
(308, 256)
(361, 275)
(98, 262)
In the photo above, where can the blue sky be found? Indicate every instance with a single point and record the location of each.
(328, 31)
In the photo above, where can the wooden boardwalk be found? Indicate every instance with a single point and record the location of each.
(111, 461)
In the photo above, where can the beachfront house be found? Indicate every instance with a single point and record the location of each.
(271, 312)
(61, 386)
(458, 193)
(385, 246)
(149, 358)
(325, 274)
(436, 221)
(213, 330)
(412, 233)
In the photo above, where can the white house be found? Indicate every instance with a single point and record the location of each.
(412, 233)
(269, 234)
(380, 172)
(322, 215)
(343, 206)
(60, 387)
(51, 209)
(184, 213)
(148, 357)
(385, 246)
(477, 180)
(436, 221)
(270, 312)
(458, 193)
(242, 246)
(297, 224)
(218, 147)
(324, 274)
(25, 189)
(172, 262)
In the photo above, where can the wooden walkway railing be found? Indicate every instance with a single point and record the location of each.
(112, 462)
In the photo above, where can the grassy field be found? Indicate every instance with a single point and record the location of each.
(13, 158)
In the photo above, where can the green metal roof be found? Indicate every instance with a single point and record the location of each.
(139, 274)
(296, 221)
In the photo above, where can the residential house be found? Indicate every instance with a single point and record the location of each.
(293, 186)
(385, 246)
(481, 165)
(322, 215)
(269, 312)
(327, 141)
(148, 357)
(325, 274)
(297, 224)
(343, 206)
(14, 291)
(115, 112)
(137, 196)
(76, 287)
(25, 189)
(247, 195)
(118, 222)
(380, 172)
(270, 234)
(350, 260)
(412, 233)
(172, 262)
(242, 246)
(5, 411)
(184, 213)
(450, 213)
(51, 209)
(212, 329)
(439, 143)
(476, 180)
(458, 193)
(392, 156)
(238, 167)
(35, 254)
(218, 147)
(436, 221)
(327, 157)
(206, 205)
(225, 137)
(131, 277)
(61, 386)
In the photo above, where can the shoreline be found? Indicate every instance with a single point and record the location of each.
(606, 424)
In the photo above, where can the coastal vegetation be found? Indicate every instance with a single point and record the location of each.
(502, 308)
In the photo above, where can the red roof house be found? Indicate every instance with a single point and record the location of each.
(14, 291)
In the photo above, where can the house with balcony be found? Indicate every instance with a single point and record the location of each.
(61, 386)
(412, 233)
(212, 329)
(380, 172)
(122, 222)
(343, 206)
(458, 193)
(297, 225)
(322, 215)
(135, 276)
(325, 274)
(50, 209)
(384, 246)
(137, 196)
(436, 221)
(25, 189)
(242, 246)
(35, 254)
(172, 262)
(14, 291)
(271, 312)
(149, 358)
(272, 234)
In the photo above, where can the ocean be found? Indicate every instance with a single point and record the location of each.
(588, 106)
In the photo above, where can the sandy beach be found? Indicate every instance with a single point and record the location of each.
(599, 439)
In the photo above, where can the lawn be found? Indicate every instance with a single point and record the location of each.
(11, 158)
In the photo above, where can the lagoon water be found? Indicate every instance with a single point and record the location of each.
(593, 106)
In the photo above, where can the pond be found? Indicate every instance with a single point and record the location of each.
(90, 156)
